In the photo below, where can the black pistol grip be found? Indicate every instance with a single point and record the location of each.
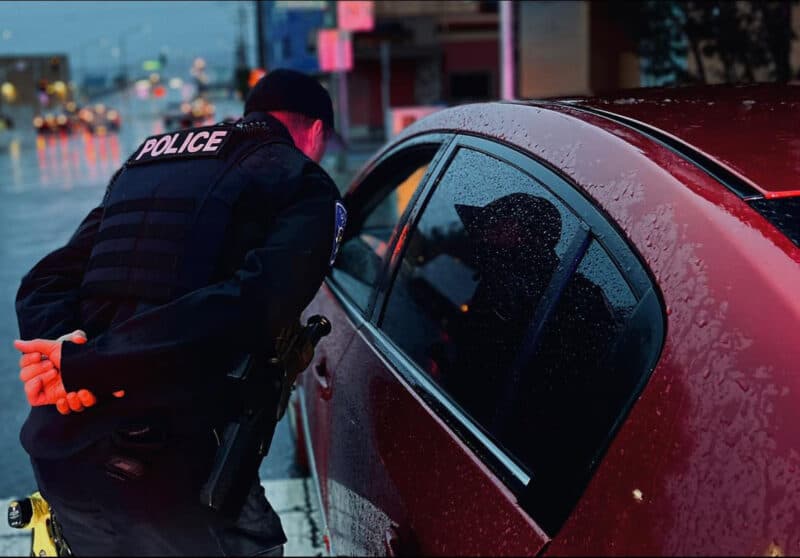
(317, 327)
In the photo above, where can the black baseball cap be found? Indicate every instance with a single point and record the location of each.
(289, 90)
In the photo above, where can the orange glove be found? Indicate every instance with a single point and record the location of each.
(40, 369)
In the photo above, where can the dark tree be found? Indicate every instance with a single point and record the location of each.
(746, 38)
(778, 36)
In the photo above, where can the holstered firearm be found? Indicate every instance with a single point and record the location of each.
(265, 388)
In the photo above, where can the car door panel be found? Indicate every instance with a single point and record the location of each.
(398, 477)
(316, 381)
(390, 186)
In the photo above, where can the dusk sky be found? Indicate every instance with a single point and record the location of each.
(89, 32)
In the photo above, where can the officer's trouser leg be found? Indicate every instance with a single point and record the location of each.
(158, 514)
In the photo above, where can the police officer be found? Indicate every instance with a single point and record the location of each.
(207, 244)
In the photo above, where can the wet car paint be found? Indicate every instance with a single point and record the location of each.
(315, 384)
(752, 129)
(706, 462)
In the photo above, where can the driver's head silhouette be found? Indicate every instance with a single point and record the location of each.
(515, 229)
(513, 242)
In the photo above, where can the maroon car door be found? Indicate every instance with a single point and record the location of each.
(312, 401)
(376, 205)
(399, 481)
(504, 346)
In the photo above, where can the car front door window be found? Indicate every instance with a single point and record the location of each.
(360, 260)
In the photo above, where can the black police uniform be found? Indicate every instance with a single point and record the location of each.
(199, 254)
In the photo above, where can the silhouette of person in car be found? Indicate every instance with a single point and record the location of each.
(560, 390)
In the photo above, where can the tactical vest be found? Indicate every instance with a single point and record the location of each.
(167, 211)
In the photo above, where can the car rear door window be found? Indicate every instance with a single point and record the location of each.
(509, 301)
(370, 227)
(474, 270)
(572, 387)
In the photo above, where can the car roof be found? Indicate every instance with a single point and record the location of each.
(751, 130)
(757, 163)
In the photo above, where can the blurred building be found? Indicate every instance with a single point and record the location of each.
(31, 85)
(571, 48)
(34, 81)
(447, 52)
(439, 52)
(291, 29)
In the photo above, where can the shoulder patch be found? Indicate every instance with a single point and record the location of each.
(339, 223)
(183, 144)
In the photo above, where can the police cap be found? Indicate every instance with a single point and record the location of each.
(291, 91)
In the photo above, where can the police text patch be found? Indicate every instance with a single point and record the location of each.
(195, 142)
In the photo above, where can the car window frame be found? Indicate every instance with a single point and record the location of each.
(360, 185)
(601, 228)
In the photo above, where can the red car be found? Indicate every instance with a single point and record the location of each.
(567, 327)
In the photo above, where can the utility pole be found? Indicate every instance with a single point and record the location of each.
(241, 43)
(260, 44)
(344, 107)
(122, 60)
(241, 70)
(386, 77)
(507, 62)
(343, 118)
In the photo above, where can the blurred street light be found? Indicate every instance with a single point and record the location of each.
(8, 91)
(60, 89)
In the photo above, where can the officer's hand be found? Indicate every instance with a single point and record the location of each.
(41, 355)
(41, 386)
(44, 388)
(77, 401)
(49, 349)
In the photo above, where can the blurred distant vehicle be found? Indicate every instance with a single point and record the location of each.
(189, 113)
(97, 119)
(176, 117)
(53, 122)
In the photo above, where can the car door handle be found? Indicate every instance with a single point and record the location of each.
(322, 376)
(391, 542)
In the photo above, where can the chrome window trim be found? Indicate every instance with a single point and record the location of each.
(394, 359)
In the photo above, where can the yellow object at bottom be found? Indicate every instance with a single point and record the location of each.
(40, 523)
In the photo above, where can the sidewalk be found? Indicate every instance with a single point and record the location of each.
(293, 499)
